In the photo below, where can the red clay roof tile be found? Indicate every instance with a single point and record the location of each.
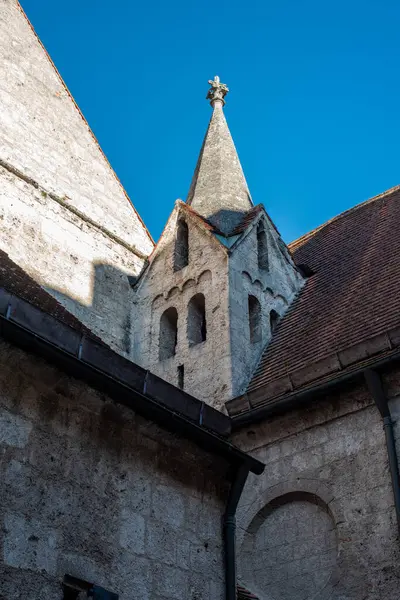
(354, 294)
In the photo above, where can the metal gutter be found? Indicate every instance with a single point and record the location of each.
(296, 399)
(125, 382)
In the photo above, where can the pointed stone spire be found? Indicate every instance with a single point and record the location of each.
(219, 190)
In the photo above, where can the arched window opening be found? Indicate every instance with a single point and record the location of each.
(273, 320)
(254, 320)
(181, 254)
(262, 247)
(168, 333)
(196, 325)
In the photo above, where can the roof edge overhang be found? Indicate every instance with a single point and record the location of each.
(252, 413)
(122, 380)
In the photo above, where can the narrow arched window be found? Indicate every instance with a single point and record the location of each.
(196, 324)
(273, 320)
(168, 333)
(181, 253)
(254, 320)
(262, 247)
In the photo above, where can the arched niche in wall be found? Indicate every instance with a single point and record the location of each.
(168, 333)
(157, 302)
(189, 283)
(247, 277)
(181, 251)
(196, 320)
(254, 320)
(174, 291)
(290, 549)
(204, 277)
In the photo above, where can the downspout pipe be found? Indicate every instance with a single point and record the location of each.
(230, 531)
(375, 387)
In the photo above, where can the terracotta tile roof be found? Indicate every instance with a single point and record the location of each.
(247, 219)
(206, 223)
(16, 281)
(243, 594)
(350, 308)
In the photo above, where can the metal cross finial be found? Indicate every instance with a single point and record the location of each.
(217, 91)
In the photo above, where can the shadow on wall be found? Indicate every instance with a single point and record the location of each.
(227, 220)
(108, 315)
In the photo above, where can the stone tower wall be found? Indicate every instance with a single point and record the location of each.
(207, 373)
(275, 289)
(65, 217)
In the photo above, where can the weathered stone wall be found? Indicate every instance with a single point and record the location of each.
(90, 489)
(219, 368)
(73, 260)
(207, 369)
(320, 522)
(274, 288)
(65, 218)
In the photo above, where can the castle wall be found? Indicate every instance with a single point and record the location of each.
(207, 369)
(92, 490)
(320, 522)
(65, 217)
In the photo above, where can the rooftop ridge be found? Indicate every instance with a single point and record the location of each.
(293, 245)
(84, 120)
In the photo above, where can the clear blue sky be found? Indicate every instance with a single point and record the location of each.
(314, 104)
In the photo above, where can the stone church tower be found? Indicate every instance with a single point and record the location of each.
(218, 280)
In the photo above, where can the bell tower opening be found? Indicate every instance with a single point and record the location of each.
(168, 333)
(254, 320)
(196, 325)
(181, 253)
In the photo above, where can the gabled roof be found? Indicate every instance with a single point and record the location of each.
(349, 309)
(247, 219)
(36, 51)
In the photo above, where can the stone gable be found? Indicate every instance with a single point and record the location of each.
(65, 218)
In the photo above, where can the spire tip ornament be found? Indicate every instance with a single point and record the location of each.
(217, 91)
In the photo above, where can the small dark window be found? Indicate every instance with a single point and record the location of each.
(75, 589)
(196, 325)
(262, 247)
(181, 254)
(168, 333)
(254, 320)
(273, 320)
(181, 376)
